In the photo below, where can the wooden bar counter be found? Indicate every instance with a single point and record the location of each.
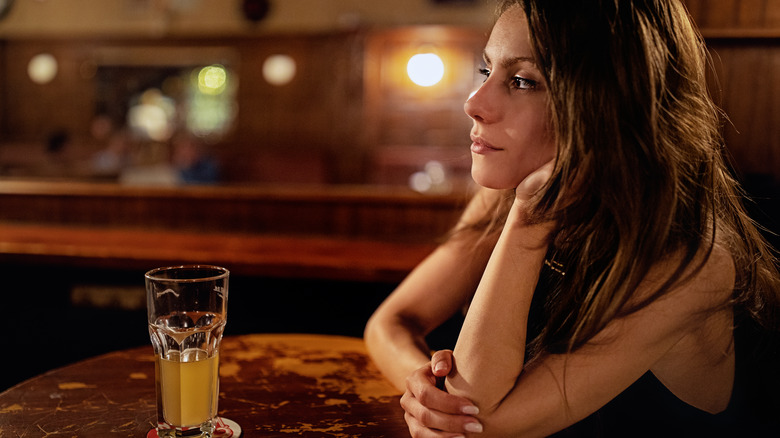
(342, 233)
(278, 385)
(249, 254)
(368, 212)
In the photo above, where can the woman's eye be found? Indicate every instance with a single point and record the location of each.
(484, 72)
(517, 82)
(522, 83)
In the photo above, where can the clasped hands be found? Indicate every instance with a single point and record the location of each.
(432, 412)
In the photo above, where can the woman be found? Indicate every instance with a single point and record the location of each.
(615, 285)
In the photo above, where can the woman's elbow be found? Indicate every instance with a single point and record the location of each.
(500, 416)
(487, 403)
(372, 332)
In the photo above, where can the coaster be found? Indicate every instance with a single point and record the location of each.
(225, 428)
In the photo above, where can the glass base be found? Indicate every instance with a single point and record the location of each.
(225, 428)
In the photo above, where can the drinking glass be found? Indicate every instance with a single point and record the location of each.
(187, 310)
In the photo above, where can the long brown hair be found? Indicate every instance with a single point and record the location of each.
(640, 173)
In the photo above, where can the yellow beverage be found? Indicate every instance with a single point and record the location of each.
(189, 389)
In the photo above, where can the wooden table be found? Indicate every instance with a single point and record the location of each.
(271, 385)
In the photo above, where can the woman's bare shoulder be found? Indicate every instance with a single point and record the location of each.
(707, 282)
(714, 269)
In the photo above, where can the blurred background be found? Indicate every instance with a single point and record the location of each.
(270, 91)
(135, 133)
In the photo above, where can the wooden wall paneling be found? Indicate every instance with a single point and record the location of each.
(399, 113)
(35, 111)
(317, 112)
(749, 76)
(744, 38)
(736, 17)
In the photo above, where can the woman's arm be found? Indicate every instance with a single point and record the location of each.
(435, 290)
(493, 337)
(492, 341)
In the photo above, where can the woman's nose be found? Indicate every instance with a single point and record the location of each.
(479, 106)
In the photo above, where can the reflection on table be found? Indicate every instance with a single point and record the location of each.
(270, 384)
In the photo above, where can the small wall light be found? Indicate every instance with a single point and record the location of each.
(42, 68)
(425, 69)
(279, 69)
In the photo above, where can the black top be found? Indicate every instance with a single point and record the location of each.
(648, 409)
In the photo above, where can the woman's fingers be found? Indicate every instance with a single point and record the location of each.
(426, 422)
(422, 385)
(432, 412)
(535, 181)
(417, 430)
(441, 363)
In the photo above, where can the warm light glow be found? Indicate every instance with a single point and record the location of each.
(42, 68)
(152, 116)
(279, 69)
(425, 69)
(211, 101)
(151, 120)
(432, 180)
(212, 79)
(420, 182)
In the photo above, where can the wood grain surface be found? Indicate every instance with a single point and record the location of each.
(271, 385)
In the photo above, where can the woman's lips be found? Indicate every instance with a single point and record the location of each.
(479, 146)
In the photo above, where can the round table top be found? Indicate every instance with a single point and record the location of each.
(270, 384)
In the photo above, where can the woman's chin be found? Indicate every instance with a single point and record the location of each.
(491, 180)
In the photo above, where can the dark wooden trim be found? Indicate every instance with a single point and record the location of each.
(243, 254)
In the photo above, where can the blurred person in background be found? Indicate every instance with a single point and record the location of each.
(192, 161)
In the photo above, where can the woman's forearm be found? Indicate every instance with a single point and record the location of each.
(395, 347)
(490, 351)
(434, 291)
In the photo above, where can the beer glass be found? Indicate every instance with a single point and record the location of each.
(187, 312)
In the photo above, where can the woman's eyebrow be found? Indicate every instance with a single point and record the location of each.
(509, 62)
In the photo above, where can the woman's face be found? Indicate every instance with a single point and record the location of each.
(511, 136)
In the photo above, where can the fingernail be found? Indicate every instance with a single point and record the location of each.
(470, 410)
(439, 366)
(473, 427)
